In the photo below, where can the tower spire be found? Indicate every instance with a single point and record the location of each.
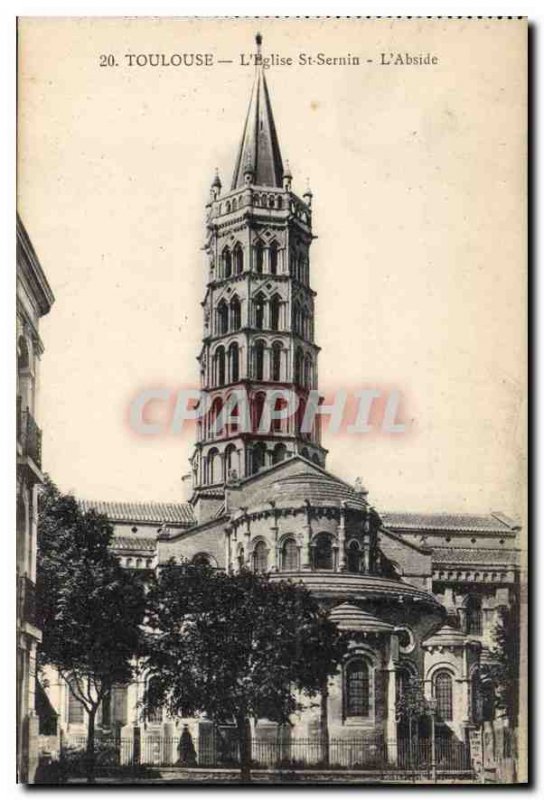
(259, 158)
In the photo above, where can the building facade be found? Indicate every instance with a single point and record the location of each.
(34, 300)
(419, 594)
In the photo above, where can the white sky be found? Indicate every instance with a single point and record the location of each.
(418, 178)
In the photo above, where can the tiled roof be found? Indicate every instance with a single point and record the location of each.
(467, 555)
(448, 637)
(317, 489)
(133, 543)
(352, 618)
(484, 523)
(174, 513)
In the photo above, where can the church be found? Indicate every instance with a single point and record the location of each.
(419, 594)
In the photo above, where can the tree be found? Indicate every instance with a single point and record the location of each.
(237, 647)
(411, 708)
(503, 669)
(90, 610)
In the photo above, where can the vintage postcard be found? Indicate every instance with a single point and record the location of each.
(272, 400)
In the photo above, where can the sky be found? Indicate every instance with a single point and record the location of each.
(418, 175)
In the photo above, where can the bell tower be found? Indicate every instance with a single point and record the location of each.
(258, 311)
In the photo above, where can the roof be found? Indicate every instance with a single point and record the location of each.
(174, 513)
(259, 148)
(467, 555)
(472, 523)
(349, 617)
(448, 637)
(318, 489)
(133, 543)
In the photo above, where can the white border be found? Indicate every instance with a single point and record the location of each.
(534, 9)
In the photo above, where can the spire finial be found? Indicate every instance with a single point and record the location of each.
(258, 41)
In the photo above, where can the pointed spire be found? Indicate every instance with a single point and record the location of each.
(259, 158)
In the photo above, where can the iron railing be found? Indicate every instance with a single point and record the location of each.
(380, 757)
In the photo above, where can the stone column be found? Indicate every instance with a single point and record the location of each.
(275, 565)
(227, 550)
(306, 562)
(342, 538)
(391, 723)
(247, 537)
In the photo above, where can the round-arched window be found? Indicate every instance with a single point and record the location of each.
(323, 557)
(357, 688)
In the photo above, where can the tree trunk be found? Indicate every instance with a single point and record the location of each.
(324, 723)
(244, 742)
(90, 754)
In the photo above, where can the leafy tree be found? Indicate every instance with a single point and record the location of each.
(411, 709)
(504, 667)
(90, 609)
(237, 647)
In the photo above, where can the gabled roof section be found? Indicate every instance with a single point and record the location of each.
(471, 523)
(259, 149)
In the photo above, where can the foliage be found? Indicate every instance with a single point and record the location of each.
(90, 610)
(236, 647)
(411, 704)
(504, 667)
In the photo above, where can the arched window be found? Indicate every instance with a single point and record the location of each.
(233, 412)
(299, 366)
(234, 362)
(315, 459)
(214, 466)
(271, 202)
(280, 203)
(227, 261)
(354, 557)
(289, 555)
(259, 257)
(474, 615)
(222, 318)
(235, 314)
(216, 423)
(259, 304)
(259, 349)
(76, 710)
(201, 560)
(219, 366)
(260, 557)
(154, 717)
(304, 453)
(357, 688)
(276, 361)
(227, 207)
(257, 411)
(238, 254)
(273, 255)
(279, 424)
(442, 687)
(275, 306)
(322, 550)
(259, 455)
(279, 453)
(230, 460)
